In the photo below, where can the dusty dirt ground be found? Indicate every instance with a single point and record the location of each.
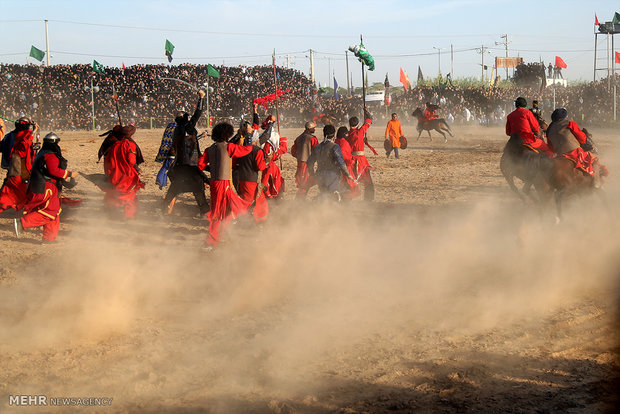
(447, 294)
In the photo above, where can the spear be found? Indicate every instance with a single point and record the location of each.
(363, 83)
(275, 81)
(115, 96)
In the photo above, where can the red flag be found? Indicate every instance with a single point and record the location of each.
(596, 23)
(270, 98)
(617, 57)
(123, 68)
(559, 63)
(404, 79)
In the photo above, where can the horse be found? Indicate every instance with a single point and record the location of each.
(532, 168)
(438, 124)
(553, 178)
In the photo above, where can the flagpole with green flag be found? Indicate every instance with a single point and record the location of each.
(211, 71)
(169, 48)
(363, 83)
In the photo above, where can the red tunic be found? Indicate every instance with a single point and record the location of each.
(345, 148)
(522, 121)
(272, 178)
(13, 193)
(123, 176)
(361, 166)
(583, 160)
(43, 209)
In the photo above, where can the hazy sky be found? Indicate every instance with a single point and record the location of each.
(396, 32)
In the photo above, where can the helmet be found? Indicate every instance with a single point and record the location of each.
(23, 124)
(51, 137)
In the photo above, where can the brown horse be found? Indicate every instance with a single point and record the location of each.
(555, 177)
(439, 124)
(518, 161)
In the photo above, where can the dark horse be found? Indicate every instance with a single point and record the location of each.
(439, 124)
(556, 177)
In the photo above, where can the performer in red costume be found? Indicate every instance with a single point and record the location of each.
(124, 157)
(246, 170)
(523, 123)
(301, 149)
(361, 167)
(274, 147)
(14, 189)
(43, 205)
(225, 203)
(345, 148)
(566, 139)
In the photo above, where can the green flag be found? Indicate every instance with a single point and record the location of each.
(36, 53)
(98, 67)
(169, 50)
(363, 56)
(211, 71)
(616, 19)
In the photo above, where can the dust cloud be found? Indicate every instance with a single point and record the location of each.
(320, 294)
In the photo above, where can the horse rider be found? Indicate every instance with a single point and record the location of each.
(523, 123)
(567, 140)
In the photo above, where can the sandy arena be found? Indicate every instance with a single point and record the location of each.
(447, 294)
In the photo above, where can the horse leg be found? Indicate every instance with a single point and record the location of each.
(445, 139)
(449, 130)
(559, 196)
(429, 134)
(419, 133)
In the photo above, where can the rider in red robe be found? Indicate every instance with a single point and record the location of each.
(566, 139)
(523, 123)
(429, 112)
(225, 203)
(361, 166)
(124, 157)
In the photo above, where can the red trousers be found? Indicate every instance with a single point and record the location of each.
(272, 180)
(13, 193)
(225, 205)
(43, 210)
(303, 179)
(36, 219)
(115, 198)
(350, 185)
(247, 191)
(361, 169)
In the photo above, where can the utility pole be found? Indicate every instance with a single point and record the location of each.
(452, 61)
(439, 56)
(287, 61)
(47, 44)
(482, 51)
(346, 55)
(312, 66)
(505, 43)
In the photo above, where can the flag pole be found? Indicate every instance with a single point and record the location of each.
(275, 82)
(363, 83)
(115, 96)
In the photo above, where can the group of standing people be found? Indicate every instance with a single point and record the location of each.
(341, 163)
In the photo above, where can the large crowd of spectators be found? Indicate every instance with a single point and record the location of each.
(59, 97)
